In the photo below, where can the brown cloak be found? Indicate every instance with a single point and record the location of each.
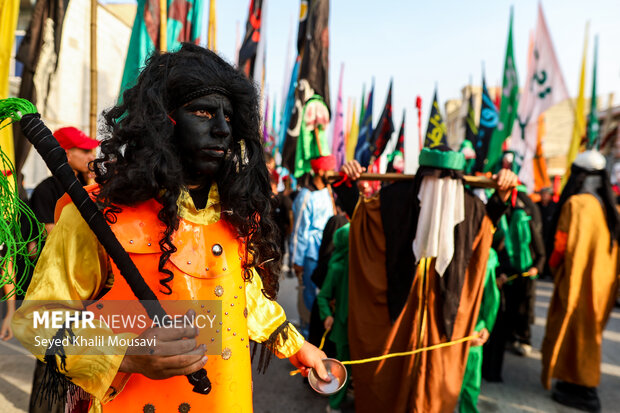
(586, 282)
(430, 382)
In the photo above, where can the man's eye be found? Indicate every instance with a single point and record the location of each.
(227, 118)
(204, 113)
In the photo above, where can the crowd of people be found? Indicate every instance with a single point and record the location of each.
(205, 213)
(531, 241)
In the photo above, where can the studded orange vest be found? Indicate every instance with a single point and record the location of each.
(207, 266)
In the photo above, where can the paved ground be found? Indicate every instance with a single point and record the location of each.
(277, 392)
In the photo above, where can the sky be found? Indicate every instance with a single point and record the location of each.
(423, 44)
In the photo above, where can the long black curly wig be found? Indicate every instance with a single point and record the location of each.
(139, 160)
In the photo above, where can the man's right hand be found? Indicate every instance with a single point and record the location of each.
(174, 354)
(501, 280)
(299, 271)
(328, 323)
(352, 169)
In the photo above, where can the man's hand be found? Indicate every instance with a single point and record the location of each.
(501, 280)
(328, 323)
(352, 169)
(6, 333)
(533, 272)
(174, 354)
(483, 336)
(310, 357)
(299, 271)
(506, 180)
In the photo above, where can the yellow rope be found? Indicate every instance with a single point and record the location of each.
(515, 276)
(323, 339)
(404, 353)
(412, 352)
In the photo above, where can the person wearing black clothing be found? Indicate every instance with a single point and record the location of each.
(283, 206)
(520, 293)
(318, 276)
(547, 209)
(80, 152)
(516, 312)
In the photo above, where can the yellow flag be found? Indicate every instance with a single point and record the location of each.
(579, 128)
(352, 141)
(9, 9)
(211, 35)
(541, 178)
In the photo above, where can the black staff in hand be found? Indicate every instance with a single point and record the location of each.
(56, 159)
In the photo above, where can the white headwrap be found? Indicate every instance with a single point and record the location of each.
(442, 208)
(591, 160)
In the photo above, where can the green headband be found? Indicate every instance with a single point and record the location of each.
(442, 159)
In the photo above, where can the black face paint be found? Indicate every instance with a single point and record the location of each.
(203, 135)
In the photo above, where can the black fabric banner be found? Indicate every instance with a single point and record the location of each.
(436, 131)
(471, 129)
(247, 51)
(488, 122)
(384, 129)
(28, 54)
(313, 36)
(399, 150)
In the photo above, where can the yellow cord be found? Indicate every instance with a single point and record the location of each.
(515, 276)
(294, 372)
(323, 339)
(412, 352)
(404, 353)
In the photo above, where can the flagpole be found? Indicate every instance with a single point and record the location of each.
(92, 127)
(318, 141)
(472, 180)
(163, 20)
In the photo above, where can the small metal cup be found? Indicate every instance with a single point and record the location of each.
(336, 371)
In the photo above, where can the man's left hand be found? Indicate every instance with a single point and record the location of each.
(483, 336)
(310, 357)
(506, 180)
(299, 271)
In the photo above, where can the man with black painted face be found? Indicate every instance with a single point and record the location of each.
(183, 183)
(203, 135)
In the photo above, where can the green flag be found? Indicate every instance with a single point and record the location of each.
(508, 107)
(362, 107)
(184, 24)
(593, 125)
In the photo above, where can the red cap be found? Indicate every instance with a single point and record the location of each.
(325, 163)
(71, 137)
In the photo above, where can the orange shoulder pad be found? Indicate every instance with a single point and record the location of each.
(66, 199)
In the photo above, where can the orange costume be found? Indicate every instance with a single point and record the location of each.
(206, 266)
(586, 279)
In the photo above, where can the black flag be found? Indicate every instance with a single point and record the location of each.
(471, 129)
(436, 132)
(384, 129)
(28, 53)
(399, 151)
(313, 72)
(247, 52)
(488, 122)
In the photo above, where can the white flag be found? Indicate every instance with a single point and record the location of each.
(544, 87)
